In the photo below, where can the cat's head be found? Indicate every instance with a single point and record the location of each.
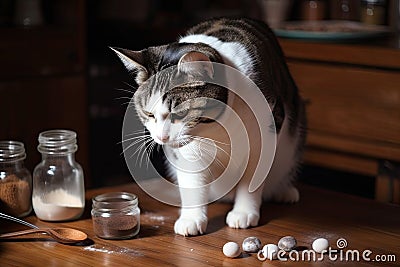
(175, 89)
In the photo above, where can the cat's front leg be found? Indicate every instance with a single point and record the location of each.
(192, 221)
(194, 196)
(246, 209)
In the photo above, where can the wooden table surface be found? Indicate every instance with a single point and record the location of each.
(364, 224)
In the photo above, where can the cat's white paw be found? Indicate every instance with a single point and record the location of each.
(290, 195)
(190, 226)
(242, 219)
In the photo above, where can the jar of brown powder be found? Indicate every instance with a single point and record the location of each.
(116, 215)
(15, 180)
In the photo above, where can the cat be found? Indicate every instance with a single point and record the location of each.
(175, 118)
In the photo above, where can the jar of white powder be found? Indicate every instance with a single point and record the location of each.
(58, 181)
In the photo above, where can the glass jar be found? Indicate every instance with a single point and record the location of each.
(15, 180)
(373, 12)
(116, 215)
(58, 182)
(313, 10)
(345, 9)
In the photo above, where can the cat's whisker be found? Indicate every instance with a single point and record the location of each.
(131, 139)
(141, 152)
(217, 161)
(144, 151)
(144, 138)
(136, 132)
(201, 139)
(127, 103)
(136, 139)
(149, 149)
(211, 155)
(123, 97)
(131, 86)
(126, 90)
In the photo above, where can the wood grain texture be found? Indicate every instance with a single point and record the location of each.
(365, 224)
(352, 102)
(353, 106)
(355, 54)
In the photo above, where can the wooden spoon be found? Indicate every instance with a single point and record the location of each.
(61, 235)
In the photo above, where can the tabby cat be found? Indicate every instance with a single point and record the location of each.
(175, 117)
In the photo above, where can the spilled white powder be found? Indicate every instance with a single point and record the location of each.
(113, 250)
(57, 205)
(157, 218)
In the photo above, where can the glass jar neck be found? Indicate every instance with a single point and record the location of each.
(12, 151)
(64, 157)
(57, 143)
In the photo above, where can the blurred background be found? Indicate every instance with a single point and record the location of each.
(58, 72)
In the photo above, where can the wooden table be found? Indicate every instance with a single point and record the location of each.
(365, 224)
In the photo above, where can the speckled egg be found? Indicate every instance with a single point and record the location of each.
(287, 243)
(251, 244)
(231, 249)
(320, 244)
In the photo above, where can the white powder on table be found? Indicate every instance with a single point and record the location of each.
(57, 205)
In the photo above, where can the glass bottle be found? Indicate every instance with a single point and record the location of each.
(15, 180)
(58, 182)
(345, 9)
(116, 215)
(313, 9)
(373, 12)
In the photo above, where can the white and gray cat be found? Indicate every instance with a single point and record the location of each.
(175, 117)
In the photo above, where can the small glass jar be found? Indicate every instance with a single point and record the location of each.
(345, 9)
(116, 215)
(313, 9)
(15, 180)
(58, 181)
(373, 12)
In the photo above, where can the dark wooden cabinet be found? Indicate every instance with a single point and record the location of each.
(353, 96)
(42, 79)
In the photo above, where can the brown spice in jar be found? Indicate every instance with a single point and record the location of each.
(115, 227)
(15, 196)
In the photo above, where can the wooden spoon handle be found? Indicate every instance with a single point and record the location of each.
(24, 232)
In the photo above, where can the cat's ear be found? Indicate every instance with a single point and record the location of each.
(203, 64)
(133, 61)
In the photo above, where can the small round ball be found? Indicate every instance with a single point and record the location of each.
(251, 244)
(231, 249)
(287, 243)
(320, 244)
(270, 251)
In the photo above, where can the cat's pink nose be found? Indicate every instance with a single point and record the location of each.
(163, 138)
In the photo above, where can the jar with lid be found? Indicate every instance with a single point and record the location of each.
(373, 12)
(116, 215)
(58, 180)
(15, 180)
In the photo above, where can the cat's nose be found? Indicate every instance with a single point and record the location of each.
(163, 138)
